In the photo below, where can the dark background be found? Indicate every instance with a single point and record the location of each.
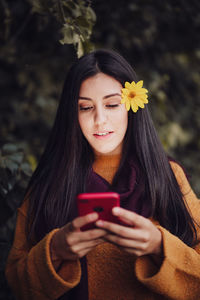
(159, 38)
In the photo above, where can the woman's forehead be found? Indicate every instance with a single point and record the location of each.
(100, 84)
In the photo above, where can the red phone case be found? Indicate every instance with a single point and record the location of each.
(102, 203)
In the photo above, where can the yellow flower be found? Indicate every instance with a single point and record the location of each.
(134, 95)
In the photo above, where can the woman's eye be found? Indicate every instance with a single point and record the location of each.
(112, 105)
(85, 108)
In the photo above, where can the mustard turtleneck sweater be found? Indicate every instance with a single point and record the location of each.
(112, 273)
(106, 166)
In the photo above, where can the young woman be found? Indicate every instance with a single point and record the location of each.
(99, 144)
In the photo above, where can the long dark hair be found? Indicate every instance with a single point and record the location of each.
(64, 166)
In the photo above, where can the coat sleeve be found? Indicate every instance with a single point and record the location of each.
(178, 275)
(29, 271)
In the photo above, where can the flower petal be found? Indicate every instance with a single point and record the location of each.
(125, 96)
(125, 91)
(132, 85)
(134, 106)
(127, 84)
(142, 91)
(128, 105)
(145, 101)
(139, 84)
(139, 102)
(123, 100)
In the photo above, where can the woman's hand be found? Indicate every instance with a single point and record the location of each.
(70, 243)
(141, 238)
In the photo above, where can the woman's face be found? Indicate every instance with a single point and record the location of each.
(102, 118)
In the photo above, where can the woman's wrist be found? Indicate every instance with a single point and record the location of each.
(158, 250)
(157, 255)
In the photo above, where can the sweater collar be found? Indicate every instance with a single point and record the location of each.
(106, 166)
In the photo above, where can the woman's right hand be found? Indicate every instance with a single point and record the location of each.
(70, 243)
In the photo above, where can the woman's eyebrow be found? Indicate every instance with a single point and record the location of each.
(84, 98)
(111, 95)
(105, 97)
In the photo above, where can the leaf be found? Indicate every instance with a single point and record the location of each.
(3, 191)
(17, 157)
(11, 165)
(32, 161)
(37, 6)
(88, 46)
(82, 22)
(85, 33)
(9, 149)
(25, 167)
(80, 49)
(71, 9)
(69, 36)
(90, 14)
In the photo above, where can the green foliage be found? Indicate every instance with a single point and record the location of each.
(15, 172)
(76, 18)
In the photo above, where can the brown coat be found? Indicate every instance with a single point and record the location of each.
(112, 273)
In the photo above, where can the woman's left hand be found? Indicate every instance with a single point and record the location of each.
(140, 238)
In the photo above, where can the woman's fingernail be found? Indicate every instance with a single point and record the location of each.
(93, 216)
(100, 223)
(116, 210)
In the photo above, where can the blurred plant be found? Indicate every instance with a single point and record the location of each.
(15, 173)
(76, 19)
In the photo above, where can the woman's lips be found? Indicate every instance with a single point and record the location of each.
(103, 134)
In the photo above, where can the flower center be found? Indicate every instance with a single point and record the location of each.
(132, 94)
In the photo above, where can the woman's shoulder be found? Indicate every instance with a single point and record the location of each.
(178, 167)
(189, 196)
(182, 179)
(23, 209)
(180, 173)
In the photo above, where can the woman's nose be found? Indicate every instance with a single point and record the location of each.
(100, 116)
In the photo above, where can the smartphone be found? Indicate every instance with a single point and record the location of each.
(102, 203)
